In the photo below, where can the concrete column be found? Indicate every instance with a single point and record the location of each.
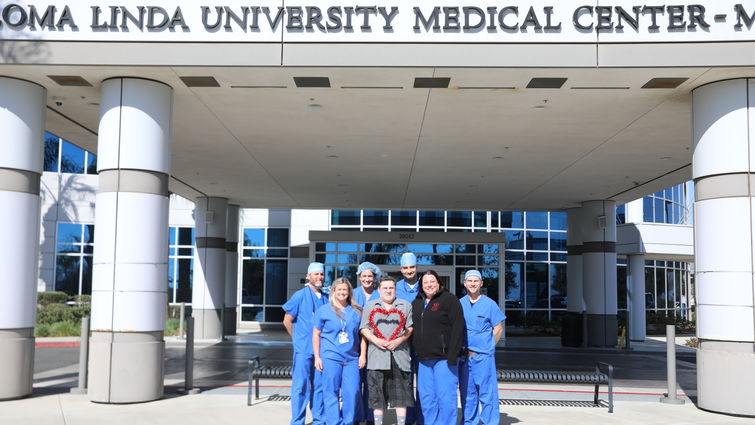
(129, 282)
(231, 269)
(599, 272)
(636, 286)
(571, 335)
(22, 124)
(723, 168)
(208, 285)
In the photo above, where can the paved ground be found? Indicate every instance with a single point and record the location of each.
(220, 372)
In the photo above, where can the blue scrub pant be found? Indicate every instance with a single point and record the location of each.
(478, 385)
(414, 414)
(363, 412)
(437, 383)
(340, 378)
(306, 388)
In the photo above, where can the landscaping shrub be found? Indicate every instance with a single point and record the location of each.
(52, 313)
(65, 329)
(42, 330)
(51, 297)
(172, 326)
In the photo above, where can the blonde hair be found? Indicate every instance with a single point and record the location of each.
(349, 299)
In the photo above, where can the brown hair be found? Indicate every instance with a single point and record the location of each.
(349, 299)
(431, 273)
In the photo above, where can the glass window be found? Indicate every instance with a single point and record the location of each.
(277, 237)
(558, 220)
(375, 217)
(52, 148)
(274, 314)
(276, 252)
(537, 240)
(480, 219)
(403, 218)
(254, 237)
(514, 288)
(558, 285)
(660, 287)
(465, 260)
(86, 274)
(88, 233)
(186, 236)
(537, 285)
(514, 255)
(91, 163)
(658, 210)
(558, 241)
(184, 277)
(276, 274)
(649, 288)
(253, 281)
(514, 239)
(431, 218)
(490, 277)
(558, 257)
(460, 218)
(67, 274)
(443, 248)
(621, 214)
(537, 256)
(252, 314)
(466, 249)
(420, 247)
(488, 260)
(537, 220)
(72, 159)
(647, 209)
(513, 220)
(494, 223)
(488, 249)
(621, 287)
(69, 232)
(669, 212)
(344, 217)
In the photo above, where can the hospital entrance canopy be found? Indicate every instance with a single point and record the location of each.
(516, 105)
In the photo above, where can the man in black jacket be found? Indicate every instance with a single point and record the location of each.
(438, 336)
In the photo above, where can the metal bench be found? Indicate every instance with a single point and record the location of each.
(257, 371)
(565, 377)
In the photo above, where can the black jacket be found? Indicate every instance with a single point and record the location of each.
(438, 328)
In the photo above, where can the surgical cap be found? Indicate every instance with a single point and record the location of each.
(408, 259)
(315, 268)
(472, 273)
(369, 266)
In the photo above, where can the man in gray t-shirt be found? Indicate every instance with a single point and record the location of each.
(386, 326)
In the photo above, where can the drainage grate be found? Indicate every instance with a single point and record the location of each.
(551, 403)
(278, 397)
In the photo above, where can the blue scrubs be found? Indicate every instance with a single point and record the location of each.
(305, 379)
(408, 294)
(437, 382)
(363, 412)
(478, 384)
(340, 362)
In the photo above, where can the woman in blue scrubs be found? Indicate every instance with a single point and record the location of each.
(337, 344)
(368, 275)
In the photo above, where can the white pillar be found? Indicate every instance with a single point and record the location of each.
(22, 123)
(129, 287)
(599, 272)
(231, 269)
(723, 167)
(636, 286)
(571, 335)
(208, 284)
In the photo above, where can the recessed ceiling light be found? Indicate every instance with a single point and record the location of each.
(664, 83)
(431, 83)
(304, 82)
(70, 80)
(546, 83)
(200, 81)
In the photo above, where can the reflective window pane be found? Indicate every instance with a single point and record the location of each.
(67, 274)
(512, 220)
(274, 314)
(403, 218)
(69, 232)
(184, 276)
(88, 233)
(621, 287)
(494, 219)
(537, 240)
(514, 287)
(251, 314)
(558, 285)
(558, 220)
(91, 163)
(488, 249)
(72, 159)
(420, 247)
(86, 275)
(491, 280)
(277, 237)
(460, 218)
(276, 276)
(52, 147)
(558, 241)
(647, 209)
(537, 285)
(345, 217)
(253, 278)
(480, 219)
(514, 255)
(186, 236)
(348, 247)
(466, 249)
(279, 253)
(488, 260)
(375, 217)
(537, 256)
(465, 260)
(431, 218)
(537, 220)
(514, 239)
(254, 237)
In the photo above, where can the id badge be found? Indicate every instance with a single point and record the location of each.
(343, 337)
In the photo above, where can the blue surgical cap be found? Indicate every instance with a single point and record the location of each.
(408, 259)
(369, 266)
(315, 268)
(472, 273)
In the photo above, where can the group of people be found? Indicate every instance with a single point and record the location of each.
(365, 345)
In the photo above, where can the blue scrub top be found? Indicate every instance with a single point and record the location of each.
(331, 325)
(302, 306)
(360, 299)
(404, 292)
(480, 319)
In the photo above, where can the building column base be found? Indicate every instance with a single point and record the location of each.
(126, 367)
(229, 326)
(602, 330)
(17, 369)
(571, 330)
(725, 373)
(207, 324)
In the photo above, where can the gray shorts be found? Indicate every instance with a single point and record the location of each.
(389, 387)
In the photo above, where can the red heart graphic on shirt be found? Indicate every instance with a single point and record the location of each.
(373, 326)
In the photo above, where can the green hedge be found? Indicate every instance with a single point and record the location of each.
(53, 313)
(47, 298)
